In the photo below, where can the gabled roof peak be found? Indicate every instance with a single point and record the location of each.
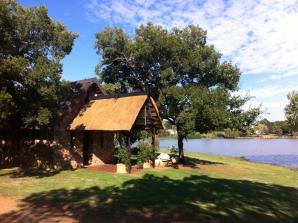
(121, 95)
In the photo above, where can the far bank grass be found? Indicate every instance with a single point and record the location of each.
(217, 135)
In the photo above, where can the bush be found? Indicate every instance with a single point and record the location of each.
(121, 139)
(232, 133)
(123, 157)
(157, 143)
(214, 135)
(163, 133)
(174, 150)
(194, 135)
(262, 129)
(145, 153)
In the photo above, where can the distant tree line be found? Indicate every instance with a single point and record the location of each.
(264, 127)
(286, 127)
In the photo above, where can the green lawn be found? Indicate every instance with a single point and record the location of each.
(221, 190)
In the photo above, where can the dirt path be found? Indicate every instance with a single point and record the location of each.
(13, 210)
(8, 204)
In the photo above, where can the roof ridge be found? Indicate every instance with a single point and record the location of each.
(140, 93)
(86, 79)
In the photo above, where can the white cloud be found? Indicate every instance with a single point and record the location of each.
(267, 92)
(271, 98)
(261, 37)
(271, 110)
(279, 76)
(270, 91)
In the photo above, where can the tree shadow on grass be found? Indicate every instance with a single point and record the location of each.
(161, 199)
(20, 173)
(194, 162)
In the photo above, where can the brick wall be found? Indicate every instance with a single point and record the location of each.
(57, 153)
(102, 147)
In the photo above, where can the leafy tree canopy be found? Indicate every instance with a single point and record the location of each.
(178, 69)
(111, 88)
(31, 48)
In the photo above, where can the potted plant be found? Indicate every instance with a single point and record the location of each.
(123, 165)
(144, 155)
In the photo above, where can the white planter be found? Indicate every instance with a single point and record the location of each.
(163, 164)
(147, 165)
(157, 162)
(121, 168)
(174, 161)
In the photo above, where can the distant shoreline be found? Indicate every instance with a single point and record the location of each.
(241, 137)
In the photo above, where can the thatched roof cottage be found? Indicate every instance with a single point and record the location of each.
(84, 135)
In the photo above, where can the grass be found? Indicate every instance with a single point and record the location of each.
(222, 189)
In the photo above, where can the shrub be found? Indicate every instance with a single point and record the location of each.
(123, 157)
(174, 150)
(262, 129)
(121, 139)
(231, 133)
(157, 143)
(163, 133)
(214, 135)
(195, 135)
(145, 153)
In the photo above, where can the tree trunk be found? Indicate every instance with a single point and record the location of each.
(18, 147)
(86, 149)
(153, 147)
(128, 165)
(180, 148)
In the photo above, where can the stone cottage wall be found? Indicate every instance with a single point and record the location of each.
(102, 147)
(65, 155)
(59, 152)
(30, 149)
(9, 155)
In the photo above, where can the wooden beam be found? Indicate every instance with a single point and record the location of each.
(86, 148)
(71, 140)
(145, 114)
(153, 145)
(128, 167)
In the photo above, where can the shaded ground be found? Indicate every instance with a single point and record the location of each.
(17, 172)
(161, 199)
(203, 192)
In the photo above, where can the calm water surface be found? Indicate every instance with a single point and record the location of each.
(275, 151)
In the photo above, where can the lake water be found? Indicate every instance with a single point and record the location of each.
(275, 151)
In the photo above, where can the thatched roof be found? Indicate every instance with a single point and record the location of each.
(83, 91)
(117, 113)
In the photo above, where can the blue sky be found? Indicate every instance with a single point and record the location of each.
(260, 37)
